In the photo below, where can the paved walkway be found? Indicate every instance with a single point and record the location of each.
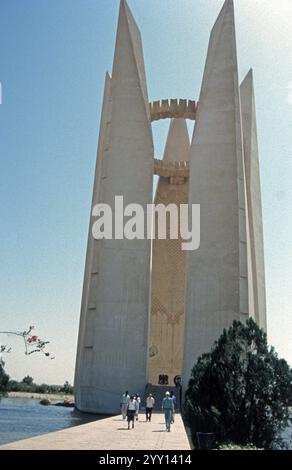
(111, 434)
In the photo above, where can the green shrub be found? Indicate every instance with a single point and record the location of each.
(241, 389)
(232, 446)
(4, 378)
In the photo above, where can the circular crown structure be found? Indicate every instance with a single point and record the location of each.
(173, 108)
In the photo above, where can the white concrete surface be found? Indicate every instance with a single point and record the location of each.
(111, 434)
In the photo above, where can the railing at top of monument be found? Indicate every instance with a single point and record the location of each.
(173, 108)
(171, 168)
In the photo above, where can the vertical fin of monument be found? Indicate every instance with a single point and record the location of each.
(82, 351)
(169, 270)
(253, 190)
(114, 347)
(217, 290)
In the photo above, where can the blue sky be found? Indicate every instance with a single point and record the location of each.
(53, 58)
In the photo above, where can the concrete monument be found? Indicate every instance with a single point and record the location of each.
(149, 309)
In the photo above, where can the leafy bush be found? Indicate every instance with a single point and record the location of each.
(240, 390)
(4, 378)
(231, 446)
(27, 385)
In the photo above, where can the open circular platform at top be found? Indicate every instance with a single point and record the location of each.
(173, 108)
(171, 169)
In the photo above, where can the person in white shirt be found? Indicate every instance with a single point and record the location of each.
(150, 402)
(138, 400)
(124, 404)
(131, 411)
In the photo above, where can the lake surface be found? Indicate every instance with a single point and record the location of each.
(22, 418)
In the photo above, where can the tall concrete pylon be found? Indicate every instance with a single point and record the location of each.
(254, 205)
(217, 285)
(114, 326)
(81, 368)
(169, 269)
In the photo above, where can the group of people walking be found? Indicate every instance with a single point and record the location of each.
(130, 406)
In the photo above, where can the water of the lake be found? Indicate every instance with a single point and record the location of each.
(21, 418)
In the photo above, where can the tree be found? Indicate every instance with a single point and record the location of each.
(240, 390)
(67, 388)
(4, 378)
(27, 380)
(43, 388)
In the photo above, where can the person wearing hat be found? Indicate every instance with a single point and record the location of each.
(150, 402)
(167, 408)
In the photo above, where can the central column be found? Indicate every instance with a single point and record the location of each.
(168, 269)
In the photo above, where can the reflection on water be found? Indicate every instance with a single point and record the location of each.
(21, 418)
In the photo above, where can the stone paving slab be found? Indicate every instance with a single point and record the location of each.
(111, 434)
